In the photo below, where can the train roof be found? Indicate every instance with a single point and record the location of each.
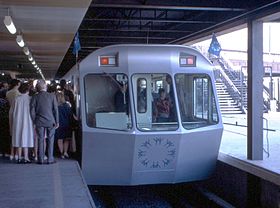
(147, 58)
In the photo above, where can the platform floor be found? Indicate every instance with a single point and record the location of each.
(234, 142)
(43, 186)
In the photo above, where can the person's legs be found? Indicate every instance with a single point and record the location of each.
(60, 145)
(66, 147)
(25, 151)
(12, 153)
(35, 149)
(41, 136)
(50, 134)
(19, 151)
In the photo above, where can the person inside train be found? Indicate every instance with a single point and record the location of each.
(171, 98)
(162, 107)
(121, 98)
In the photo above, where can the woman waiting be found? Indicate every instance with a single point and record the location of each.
(63, 133)
(22, 136)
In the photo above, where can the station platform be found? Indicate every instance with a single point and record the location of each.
(43, 186)
(233, 150)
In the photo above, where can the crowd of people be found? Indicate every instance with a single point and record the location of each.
(33, 119)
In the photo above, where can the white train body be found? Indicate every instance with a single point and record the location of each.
(151, 138)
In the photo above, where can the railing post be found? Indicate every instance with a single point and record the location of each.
(255, 90)
(241, 85)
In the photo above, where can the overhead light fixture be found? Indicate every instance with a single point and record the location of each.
(35, 66)
(33, 62)
(26, 50)
(20, 41)
(9, 24)
(30, 58)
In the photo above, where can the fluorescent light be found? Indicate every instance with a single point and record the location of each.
(9, 24)
(33, 62)
(26, 50)
(35, 66)
(30, 58)
(20, 41)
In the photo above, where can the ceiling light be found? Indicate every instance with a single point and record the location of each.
(30, 58)
(9, 24)
(35, 66)
(33, 62)
(20, 41)
(26, 51)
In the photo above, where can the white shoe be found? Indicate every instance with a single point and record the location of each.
(45, 157)
(66, 155)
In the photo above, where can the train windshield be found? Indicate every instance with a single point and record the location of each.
(154, 102)
(196, 100)
(107, 101)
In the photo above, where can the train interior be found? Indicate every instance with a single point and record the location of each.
(108, 101)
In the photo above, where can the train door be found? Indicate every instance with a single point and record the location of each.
(154, 102)
(143, 99)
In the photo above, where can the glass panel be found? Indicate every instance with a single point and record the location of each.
(196, 100)
(107, 101)
(142, 95)
(155, 102)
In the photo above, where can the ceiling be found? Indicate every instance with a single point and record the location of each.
(110, 22)
(49, 26)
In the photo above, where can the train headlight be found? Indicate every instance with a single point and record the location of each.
(108, 61)
(187, 61)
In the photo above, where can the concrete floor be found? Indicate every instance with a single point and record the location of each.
(234, 141)
(43, 186)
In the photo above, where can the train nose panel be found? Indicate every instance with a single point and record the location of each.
(155, 158)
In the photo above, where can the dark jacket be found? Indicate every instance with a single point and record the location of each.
(44, 109)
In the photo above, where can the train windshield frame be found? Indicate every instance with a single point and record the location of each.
(196, 100)
(154, 102)
(107, 103)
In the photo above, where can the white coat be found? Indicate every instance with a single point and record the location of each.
(22, 135)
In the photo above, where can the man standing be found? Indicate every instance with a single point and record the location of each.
(44, 113)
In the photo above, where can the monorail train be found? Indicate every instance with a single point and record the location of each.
(149, 115)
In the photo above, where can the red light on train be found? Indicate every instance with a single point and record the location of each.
(187, 61)
(104, 60)
(108, 61)
(190, 61)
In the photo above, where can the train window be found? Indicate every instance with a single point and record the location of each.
(142, 95)
(196, 100)
(155, 103)
(107, 101)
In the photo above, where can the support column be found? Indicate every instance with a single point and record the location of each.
(255, 91)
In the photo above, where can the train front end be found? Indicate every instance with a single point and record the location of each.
(150, 115)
